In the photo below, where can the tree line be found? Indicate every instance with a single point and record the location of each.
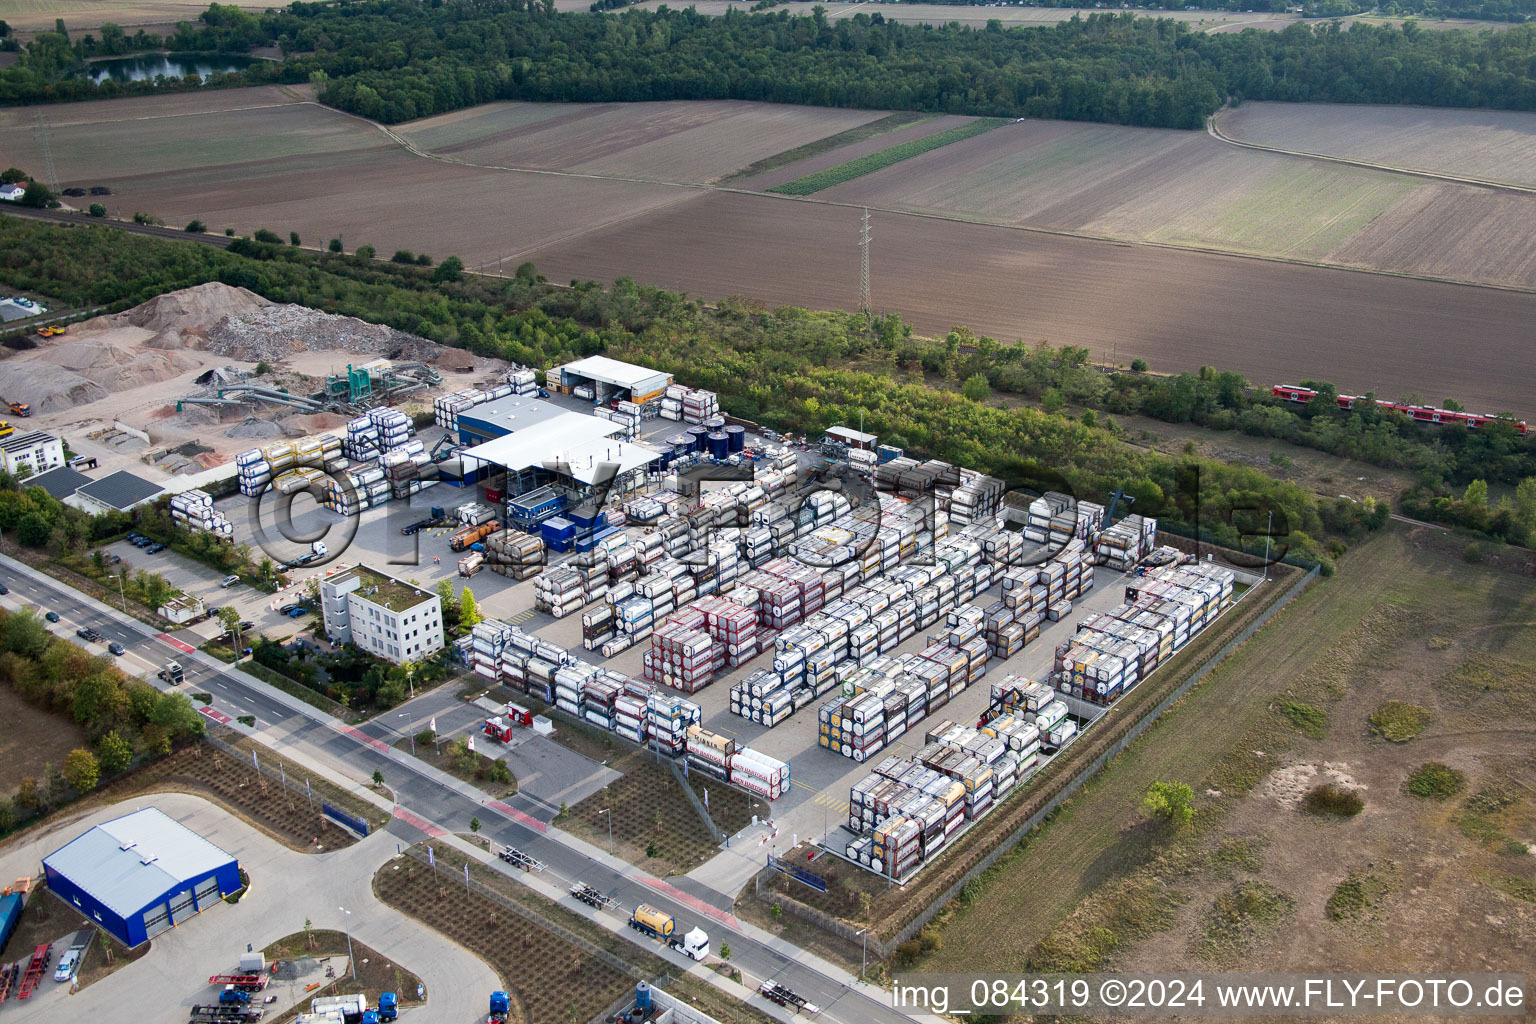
(124, 719)
(393, 61)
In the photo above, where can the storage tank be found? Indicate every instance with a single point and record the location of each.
(719, 445)
(715, 423)
(682, 444)
(642, 996)
(658, 922)
(737, 436)
(698, 434)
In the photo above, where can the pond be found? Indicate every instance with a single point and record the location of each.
(174, 65)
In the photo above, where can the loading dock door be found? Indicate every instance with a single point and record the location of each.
(156, 920)
(207, 893)
(181, 906)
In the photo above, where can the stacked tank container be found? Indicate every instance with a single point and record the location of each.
(194, 510)
(488, 640)
(698, 406)
(517, 555)
(758, 773)
(709, 752)
(625, 415)
(260, 468)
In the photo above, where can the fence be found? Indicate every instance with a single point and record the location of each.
(345, 820)
(888, 946)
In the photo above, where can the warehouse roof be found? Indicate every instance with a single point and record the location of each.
(612, 371)
(851, 436)
(129, 862)
(121, 490)
(543, 441)
(582, 442)
(60, 483)
(516, 412)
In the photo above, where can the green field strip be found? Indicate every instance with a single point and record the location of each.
(886, 157)
(885, 125)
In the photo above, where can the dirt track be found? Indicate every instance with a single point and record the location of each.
(1177, 309)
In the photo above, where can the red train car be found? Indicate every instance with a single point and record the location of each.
(1418, 413)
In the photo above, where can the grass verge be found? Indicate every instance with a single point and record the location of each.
(813, 183)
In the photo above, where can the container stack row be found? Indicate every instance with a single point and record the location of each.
(721, 758)
(194, 510)
(625, 415)
(274, 465)
(1127, 542)
(1112, 652)
(519, 556)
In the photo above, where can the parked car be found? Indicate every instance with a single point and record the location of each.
(115, 559)
(298, 612)
(155, 548)
(288, 609)
(51, 616)
(68, 964)
(247, 625)
(229, 581)
(134, 537)
(4, 589)
(117, 649)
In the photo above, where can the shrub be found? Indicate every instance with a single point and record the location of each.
(1400, 722)
(1435, 781)
(334, 245)
(403, 256)
(229, 232)
(81, 770)
(1336, 800)
(97, 210)
(1308, 720)
(195, 227)
(293, 238)
(270, 237)
(908, 952)
(425, 737)
(976, 388)
(1169, 802)
(1139, 365)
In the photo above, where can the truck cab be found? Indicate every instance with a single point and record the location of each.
(694, 945)
(20, 409)
(318, 549)
(389, 1007)
(172, 673)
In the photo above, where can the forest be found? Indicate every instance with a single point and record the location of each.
(1487, 10)
(395, 61)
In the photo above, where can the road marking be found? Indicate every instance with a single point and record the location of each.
(672, 891)
(184, 648)
(417, 821)
(517, 815)
(831, 803)
(361, 737)
(217, 716)
(521, 617)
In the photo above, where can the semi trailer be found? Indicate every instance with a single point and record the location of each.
(661, 925)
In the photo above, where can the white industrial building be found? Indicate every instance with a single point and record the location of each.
(609, 379)
(384, 616)
(35, 451)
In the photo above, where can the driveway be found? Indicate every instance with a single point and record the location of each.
(286, 889)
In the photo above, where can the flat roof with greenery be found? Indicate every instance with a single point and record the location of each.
(382, 590)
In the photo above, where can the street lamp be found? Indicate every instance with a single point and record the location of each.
(865, 961)
(347, 924)
(120, 595)
(610, 830)
(412, 718)
(410, 677)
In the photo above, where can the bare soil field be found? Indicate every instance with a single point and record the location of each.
(39, 15)
(1185, 189)
(33, 739)
(674, 141)
(976, 15)
(1493, 145)
(1179, 310)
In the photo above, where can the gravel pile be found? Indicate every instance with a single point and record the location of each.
(253, 427)
(276, 332)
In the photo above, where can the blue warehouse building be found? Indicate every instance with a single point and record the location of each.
(140, 874)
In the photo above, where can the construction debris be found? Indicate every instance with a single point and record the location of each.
(277, 332)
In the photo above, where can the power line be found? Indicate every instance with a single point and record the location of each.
(865, 304)
(42, 143)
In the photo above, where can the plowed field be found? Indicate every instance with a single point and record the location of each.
(1495, 145)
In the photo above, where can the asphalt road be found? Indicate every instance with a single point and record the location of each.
(417, 790)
